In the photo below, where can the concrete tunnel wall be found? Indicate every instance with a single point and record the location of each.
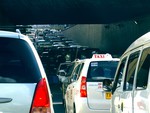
(111, 38)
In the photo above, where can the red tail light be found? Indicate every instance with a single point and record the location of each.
(41, 102)
(83, 88)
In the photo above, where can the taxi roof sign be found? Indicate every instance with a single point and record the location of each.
(102, 56)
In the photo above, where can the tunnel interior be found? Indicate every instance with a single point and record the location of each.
(26, 12)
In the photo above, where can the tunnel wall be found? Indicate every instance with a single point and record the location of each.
(112, 38)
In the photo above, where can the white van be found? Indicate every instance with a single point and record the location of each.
(131, 88)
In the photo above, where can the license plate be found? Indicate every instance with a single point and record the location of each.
(108, 95)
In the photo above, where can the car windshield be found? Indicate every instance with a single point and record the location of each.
(17, 62)
(102, 69)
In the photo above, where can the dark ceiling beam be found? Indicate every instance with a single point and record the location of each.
(72, 11)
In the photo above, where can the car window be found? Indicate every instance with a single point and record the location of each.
(102, 69)
(17, 62)
(79, 72)
(70, 69)
(130, 72)
(143, 70)
(119, 75)
(75, 73)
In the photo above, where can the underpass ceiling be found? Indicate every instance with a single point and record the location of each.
(25, 12)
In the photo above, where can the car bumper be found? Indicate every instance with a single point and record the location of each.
(83, 107)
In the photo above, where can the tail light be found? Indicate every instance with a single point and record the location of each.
(41, 101)
(83, 88)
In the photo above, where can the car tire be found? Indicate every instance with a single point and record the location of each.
(65, 110)
(63, 102)
(74, 108)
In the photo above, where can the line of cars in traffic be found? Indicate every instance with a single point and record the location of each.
(93, 85)
(56, 49)
(127, 90)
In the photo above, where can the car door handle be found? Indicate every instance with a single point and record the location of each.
(5, 100)
(122, 106)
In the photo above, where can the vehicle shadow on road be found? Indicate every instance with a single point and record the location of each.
(57, 98)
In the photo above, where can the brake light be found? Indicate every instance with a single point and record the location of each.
(41, 101)
(83, 89)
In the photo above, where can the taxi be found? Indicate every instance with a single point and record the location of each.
(85, 94)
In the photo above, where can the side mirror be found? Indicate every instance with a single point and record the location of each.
(73, 80)
(107, 88)
(62, 73)
(107, 85)
(66, 80)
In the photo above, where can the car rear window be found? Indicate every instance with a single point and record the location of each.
(102, 70)
(17, 62)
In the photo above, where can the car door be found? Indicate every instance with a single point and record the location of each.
(66, 82)
(141, 93)
(117, 89)
(126, 97)
(71, 87)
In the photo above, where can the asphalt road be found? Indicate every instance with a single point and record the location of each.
(57, 98)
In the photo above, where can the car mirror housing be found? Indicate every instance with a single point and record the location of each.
(65, 80)
(107, 85)
(62, 73)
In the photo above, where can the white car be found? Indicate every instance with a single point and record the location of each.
(24, 87)
(85, 94)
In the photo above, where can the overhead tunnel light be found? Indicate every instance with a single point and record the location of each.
(135, 22)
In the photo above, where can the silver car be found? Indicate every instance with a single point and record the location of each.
(23, 83)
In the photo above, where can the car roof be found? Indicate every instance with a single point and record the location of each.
(102, 57)
(113, 59)
(9, 34)
(78, 60)
(139, 42)
(16, 35)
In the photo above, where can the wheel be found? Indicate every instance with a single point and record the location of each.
(63, 102)
(65, 108)
(74, 108)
